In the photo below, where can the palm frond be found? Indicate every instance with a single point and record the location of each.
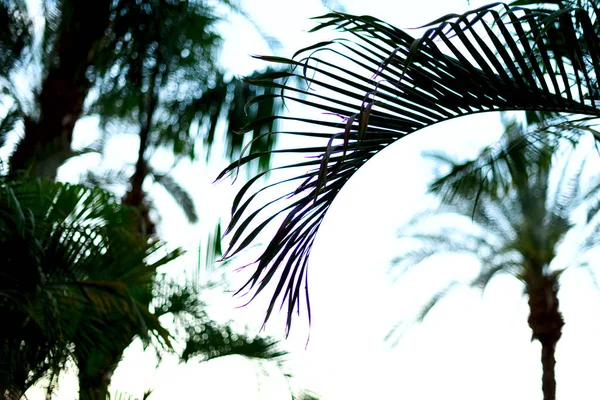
(435, 299)
(180, 195)
(382, 85)
(306, 395)
(425, 245)
(211, 340)
(104, 179)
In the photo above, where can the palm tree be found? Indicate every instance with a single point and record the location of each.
(87, 54)
(73, 35)
(164, 83)
(377, 85)
(133, 53)
(57, 285)
(78, 283)
(203, 338)
(517, 228)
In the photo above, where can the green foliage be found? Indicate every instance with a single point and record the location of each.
(161, 64)
(203, 337)
(70, 264)
(209, 340)
(89, 273)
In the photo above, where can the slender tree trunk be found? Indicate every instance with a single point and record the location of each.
(548, 364)
(546, 324)
(95, 373)
(46, 143)
(135, 196)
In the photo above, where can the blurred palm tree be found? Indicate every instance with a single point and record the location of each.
(517, 228)
(79, 284)
(164, 82)
(151, 65)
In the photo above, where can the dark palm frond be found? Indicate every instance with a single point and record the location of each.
(381, 85)
(203, 337)
(180, 195)
(209, 340)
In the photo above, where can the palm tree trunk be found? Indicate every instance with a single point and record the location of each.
(546, 324)
(94, 383)
(135, 196)
(548, 364)
(97, 368)
(46, 143)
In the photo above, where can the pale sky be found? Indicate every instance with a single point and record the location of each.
(470, 346)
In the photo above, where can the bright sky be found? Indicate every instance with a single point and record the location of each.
(470, 346)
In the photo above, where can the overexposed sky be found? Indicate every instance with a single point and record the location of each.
(470, 346)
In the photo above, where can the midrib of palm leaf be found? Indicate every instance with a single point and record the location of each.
(384, 85)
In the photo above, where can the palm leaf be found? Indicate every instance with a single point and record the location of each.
(179, 194)
(382, 85)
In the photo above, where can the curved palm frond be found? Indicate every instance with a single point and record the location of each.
(379, 84)
(179, 194)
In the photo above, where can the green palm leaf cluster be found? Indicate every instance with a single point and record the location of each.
(79, 284)
(375, 85)
(70, 264)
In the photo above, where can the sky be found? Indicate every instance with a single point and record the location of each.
(471, 346)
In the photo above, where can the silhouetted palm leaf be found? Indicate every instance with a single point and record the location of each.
(180, 195)
(381, 85)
